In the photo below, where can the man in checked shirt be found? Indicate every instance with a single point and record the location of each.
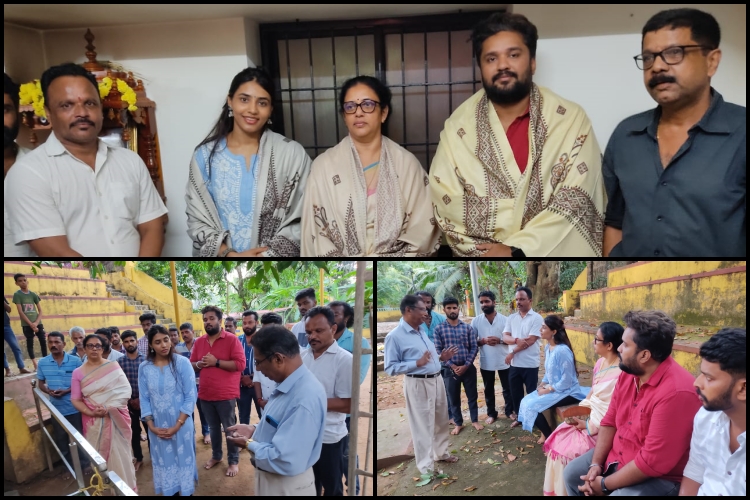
(461, 339)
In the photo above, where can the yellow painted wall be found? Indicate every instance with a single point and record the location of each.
(664, 269)
(53, 305)
(67, 321)
(26, 268)
(386, 316)
(581, 281)
(718, 300)
(44, 286)
(24, 457)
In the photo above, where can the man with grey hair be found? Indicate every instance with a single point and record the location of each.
(77, 333)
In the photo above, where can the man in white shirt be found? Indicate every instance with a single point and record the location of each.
(718, 453)
(89, 199)
(492, 353)
(332, 365)
(522, 332)
(305, 301)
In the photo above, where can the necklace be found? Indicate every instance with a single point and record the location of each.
(368, 167)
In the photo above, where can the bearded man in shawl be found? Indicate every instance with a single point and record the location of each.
(518, 170)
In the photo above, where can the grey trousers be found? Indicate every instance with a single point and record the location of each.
(652, 487)
(220, 414)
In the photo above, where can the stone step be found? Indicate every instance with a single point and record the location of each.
(116, 294)
(577, 313)
(149, 311)
(140, 307)
(159, 316)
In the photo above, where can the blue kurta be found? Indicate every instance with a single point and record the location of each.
(164, 397)
(560, 373)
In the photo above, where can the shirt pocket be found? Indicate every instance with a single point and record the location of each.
(123, 198)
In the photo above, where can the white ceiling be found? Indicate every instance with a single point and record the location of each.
(49, 16)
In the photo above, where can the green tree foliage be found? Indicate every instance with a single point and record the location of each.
(569, 271)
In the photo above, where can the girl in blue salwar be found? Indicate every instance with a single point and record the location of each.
(167, 390)
(559, 386)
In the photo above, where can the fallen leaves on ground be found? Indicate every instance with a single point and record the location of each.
(511, 457)
(525, 461)
(470, 488)
(529, 446)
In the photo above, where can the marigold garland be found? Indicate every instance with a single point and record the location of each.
(31, 93)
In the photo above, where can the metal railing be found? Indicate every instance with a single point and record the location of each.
(76, 440)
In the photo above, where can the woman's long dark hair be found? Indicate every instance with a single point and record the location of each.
(225, 123)
(151, 356)
(556, 323)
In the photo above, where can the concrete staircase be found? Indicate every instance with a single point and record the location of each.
(139, 306)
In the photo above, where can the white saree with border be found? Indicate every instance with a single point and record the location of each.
(479, 195)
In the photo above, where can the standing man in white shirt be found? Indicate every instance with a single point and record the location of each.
(492, 353)
(305, 300)
(332, 365)
(90, 199)
(718, 452)
(522, 332)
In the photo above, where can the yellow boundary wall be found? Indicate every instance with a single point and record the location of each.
(642, 272)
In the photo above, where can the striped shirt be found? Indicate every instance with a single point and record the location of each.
(130, 367)
(59, 377)
(462, 336)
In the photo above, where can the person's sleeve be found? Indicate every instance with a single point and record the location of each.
(75, 385)
(151, 205)
(40, 375)
(343, 386)
(394, 365)
(473, 347)
(37, 299)
(365, 363)
(669, 431)
(145, 397)
(609, 417)
(282, 455)
(506, 327)
(437, 339)
(568, 370)
(615, 212)
(41, 218)
(194, 354)
(238, 355)
(696, 466)
(187, 377)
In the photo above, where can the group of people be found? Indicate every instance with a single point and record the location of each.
(518, 170)
(111, 382)
(639, 430)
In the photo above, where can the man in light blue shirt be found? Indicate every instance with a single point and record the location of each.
(287, 441)
(431, 319)
(409, 351)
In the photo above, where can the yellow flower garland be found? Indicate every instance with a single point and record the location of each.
(127, 94)
(31, 93)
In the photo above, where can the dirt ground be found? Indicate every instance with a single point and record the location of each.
(211, 482)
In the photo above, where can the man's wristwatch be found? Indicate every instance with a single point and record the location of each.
(604, 488)
(217, 364)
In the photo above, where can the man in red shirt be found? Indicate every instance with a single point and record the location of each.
(221, 359)
(644, 438)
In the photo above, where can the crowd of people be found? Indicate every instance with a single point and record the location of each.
(646, 426)
(518, 170)
(112, 383)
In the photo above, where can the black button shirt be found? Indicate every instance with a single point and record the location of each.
(693, 208)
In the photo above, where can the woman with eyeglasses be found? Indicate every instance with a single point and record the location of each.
(571, 440)
(100, 391)
(244, 191)
(367, 196)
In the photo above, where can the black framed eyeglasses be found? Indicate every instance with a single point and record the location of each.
(598, 340)
(94, 346)
(670, 55)
(367, 105)
(257, 363)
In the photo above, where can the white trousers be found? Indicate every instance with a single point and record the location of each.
(427, 409)
(268, 484)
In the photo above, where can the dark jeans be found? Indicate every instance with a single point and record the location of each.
(247, 396)
(328, 471)
(218, 414)
(541, 422)
(346, 457)
(10, 338)
(204, 423)
(29, 334)
(453, 387)
(135, 440)
(488, 377)
(519, 377)
(63, 442)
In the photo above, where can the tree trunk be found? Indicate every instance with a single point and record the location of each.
(543, 279)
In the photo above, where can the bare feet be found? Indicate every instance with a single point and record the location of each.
(477, 426)
(7, 373)
(23, 370)
(451, 422)
(489, 420)
(35, 365)
(541, 440)
(211, 463)
(457, 429)
(513, 416)
(233, 470)
(206, 439)
(450, 459)
(515, 423)
(137, 465)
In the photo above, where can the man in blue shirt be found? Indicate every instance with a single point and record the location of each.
(286, 443)
(247, 390)
(130, 364)
(54, 373)
(409, 351)
(431, 318)
(343, 315)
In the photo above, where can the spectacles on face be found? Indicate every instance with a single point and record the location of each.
(258, 363)
(670, 55)
(422, 309)
(597, 340)
(367, 105)
(94, 347)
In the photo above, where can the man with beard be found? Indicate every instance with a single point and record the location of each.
(12, 153)
(492, 353)
(431, 318)
(460, 341)
(221, 359)
(105, 334)
(675, 175)
(130, 364)
(644, 438)
(305, 300)
(717, 464)
(88, 198)
(518, 169)
(247, 390)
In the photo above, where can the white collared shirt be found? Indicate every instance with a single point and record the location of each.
(492, 357)
(49, 192)
(719, 471)
(522, 328)
(333, 369)
(10, 248)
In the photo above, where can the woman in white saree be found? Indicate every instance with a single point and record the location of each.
(367, 196)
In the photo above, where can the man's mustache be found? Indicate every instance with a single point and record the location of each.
(82, 120)
(502, 74)
(659, 79)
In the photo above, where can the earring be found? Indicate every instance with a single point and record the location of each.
(270, 122)
(231, 113)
